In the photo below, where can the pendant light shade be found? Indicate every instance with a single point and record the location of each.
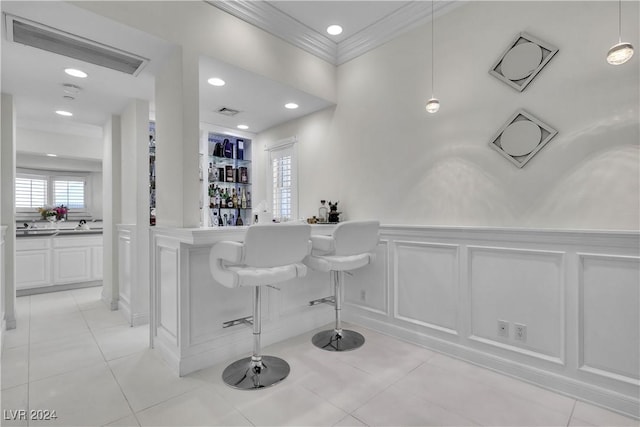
(622, 51)
(433, 105)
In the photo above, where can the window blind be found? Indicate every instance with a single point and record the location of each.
(31, 192)
(282, 187)
(69, 193)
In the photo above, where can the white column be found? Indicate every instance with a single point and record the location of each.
(177, 141)
(111, 170)
(7, 207)
(135, 208)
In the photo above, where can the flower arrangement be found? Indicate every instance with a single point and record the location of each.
(59, 212)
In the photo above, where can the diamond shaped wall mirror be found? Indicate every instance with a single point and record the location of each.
(525, 57)
(521, 137)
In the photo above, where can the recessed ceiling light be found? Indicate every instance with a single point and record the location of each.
(52, 155)
(76, 73)
(64, 113)
(334, 30)
(291, 106)
(215, 81)
(243, 127)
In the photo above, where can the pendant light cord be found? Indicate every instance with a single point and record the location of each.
(619, 21)
(432, 23)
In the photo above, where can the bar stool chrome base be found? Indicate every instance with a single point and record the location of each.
(245, 374)
(333, 341)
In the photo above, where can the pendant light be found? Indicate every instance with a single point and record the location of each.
(433, 105)
(620, 52)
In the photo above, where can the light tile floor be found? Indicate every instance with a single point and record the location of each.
(72, 355)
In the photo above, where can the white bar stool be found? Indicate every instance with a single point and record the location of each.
(270, 254)
(350, 247)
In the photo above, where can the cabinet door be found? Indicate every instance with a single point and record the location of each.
(33, 268)
(71, 265)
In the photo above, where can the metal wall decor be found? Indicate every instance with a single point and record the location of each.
(521, 137)
(525, 57)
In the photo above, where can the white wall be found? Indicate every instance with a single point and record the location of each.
(383, 156)
(64, 145)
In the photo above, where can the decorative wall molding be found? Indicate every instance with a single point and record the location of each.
(525, 57)
(537, 276)
(272, 20)
(602, 313)
(521, 137)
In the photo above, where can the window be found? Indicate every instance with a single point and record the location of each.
(31, 192)
(69, 193)
(283, 177)
(281, 167)
(36, 189)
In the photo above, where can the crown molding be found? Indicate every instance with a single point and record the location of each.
(402, 20)
(265, 16)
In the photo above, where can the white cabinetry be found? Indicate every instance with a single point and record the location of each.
(33, 263)
(57, 260)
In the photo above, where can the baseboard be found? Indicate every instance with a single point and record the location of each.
(611, 400)
(138, 319)
(57, 288)
(126, 311)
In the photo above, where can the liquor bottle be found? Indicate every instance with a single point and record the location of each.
(323, 212)
(228, 149)
(239, 220)
(212, 200)
(243, 199)
(210, 175)
(215, 222)
(216, 174)
(229, 199)
(234, 198)
(216, 198)
(240, 149)
(248, 199)
(232, 220)
(226, 220)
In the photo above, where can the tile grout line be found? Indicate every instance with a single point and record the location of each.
(29, 364)
(575, 402)
(106, 362)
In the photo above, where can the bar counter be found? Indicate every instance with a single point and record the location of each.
(188, 307)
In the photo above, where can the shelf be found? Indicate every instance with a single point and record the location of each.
(227, 161)
(246, 184)
(232, 209)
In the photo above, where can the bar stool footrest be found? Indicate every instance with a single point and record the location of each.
(248, 320)
(326, 300)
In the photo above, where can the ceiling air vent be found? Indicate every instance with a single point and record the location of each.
(227, 111)
(24, 31)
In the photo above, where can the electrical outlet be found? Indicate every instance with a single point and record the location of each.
(363, 295)
(503, 328)
(520, 332)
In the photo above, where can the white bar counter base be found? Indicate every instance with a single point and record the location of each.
(576, 293)
(188, 307)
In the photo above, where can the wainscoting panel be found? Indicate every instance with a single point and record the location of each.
(167, 277)
(450, 285)
(367, 287)
(426, 284)
(610, 316)
(521, 287)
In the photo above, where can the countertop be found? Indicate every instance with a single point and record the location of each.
(50, 232)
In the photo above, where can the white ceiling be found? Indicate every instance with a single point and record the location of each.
(35, 77)
(353, 16)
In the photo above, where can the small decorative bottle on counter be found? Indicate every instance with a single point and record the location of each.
(323, 212)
